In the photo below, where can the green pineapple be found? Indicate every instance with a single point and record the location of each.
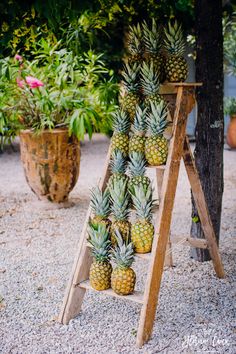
(135, 44)
(137, 170)
(120, 138)
(123, 277)
(100, 204)
(142, 231)
(176, 68)
(101, 269)
(137, 140)
(120, 201)
(150, 83)
(118, 166)
(131, 84)
(156, 146)
(153, 47)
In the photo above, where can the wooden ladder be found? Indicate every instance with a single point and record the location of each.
(181, 99)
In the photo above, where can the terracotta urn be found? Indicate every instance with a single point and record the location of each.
(231, 132)
(51, 161)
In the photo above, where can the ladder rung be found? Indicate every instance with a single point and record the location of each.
(189, 241)
(137, 296)
(161, 167)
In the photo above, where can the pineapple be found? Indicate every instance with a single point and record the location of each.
(101, 269)
(123, 277)
(120, 138)
(135, 45)
(150, 84)
(118, 166)
(156, 146)
(176, 67)
(100, 204)
(120, 209)
(131, 85)
(137, 170)
(142, 230)
(153, 46)
(137, 141)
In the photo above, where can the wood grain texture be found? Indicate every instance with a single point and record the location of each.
(202, 209)
(51, 162)
(74, 295)
(184, 103)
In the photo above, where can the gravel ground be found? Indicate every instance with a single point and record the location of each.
(37, 247)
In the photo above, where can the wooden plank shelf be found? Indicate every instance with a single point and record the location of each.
(160, 167)
(137, 296)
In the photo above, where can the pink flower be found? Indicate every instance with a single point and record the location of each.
(20, 82)
(33, 82)
(18, 58)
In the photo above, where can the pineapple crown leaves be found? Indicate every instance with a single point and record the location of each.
(130, 77)
(100, 202)
(157, 118)
(121, 122)
(143, 201)
(120, 199)
(118, 162)
(99, 239)
(137, 164)
(123, 253)
(135, 39)
(152, 38)
(149, 79)
(174, 41)
(140, 124)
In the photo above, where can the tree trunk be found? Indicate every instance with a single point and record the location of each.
(210, 124)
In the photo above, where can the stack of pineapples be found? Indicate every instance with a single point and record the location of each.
(156, 55)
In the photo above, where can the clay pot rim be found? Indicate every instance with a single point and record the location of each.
(233, 116)
(50, 131)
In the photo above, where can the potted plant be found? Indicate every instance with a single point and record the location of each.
(56, 101)
(230, 109)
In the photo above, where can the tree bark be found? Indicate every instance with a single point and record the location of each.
(210, 123)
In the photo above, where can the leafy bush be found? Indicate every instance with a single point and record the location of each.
(77, 92)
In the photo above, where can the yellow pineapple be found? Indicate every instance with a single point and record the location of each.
(100, 204)
(142, 231)
(131, 84)
(156, 146)
(135, 44)
(137, 140)
(101, 269)
(137, 170)
(153, 48)
(176, 68)
(150, 84)
(118, 166)
(123, 277)
(120, 200)
(120, 138)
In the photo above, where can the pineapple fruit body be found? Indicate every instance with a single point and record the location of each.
(156, 150)
(129, 104)
(118, 177)
(123, 280)
(123, 226)
(159, 65)
(139, 180)
(120, 141)
(156, 98)
(137, 144)
(176, 69)
(98, 220)
(100, 275)
(142, 233)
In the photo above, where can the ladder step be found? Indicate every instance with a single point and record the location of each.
(161, 167)
(137, 296)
